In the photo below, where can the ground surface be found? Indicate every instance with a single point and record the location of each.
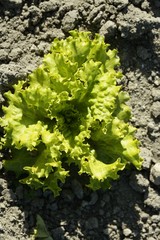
(131, 209)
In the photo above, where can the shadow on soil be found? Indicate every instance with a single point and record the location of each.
(114, 209)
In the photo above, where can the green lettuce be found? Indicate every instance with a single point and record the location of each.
(70, 111)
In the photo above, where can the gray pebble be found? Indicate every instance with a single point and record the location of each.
(152, 199)
(151, 126)
(36, 14)
(138, 182)
(43, 48)
(15, 1)
(15, 54)
(143, 53)
(120, 4)
(58, 233)
(8, 195)
(3, 183)
(145, 5)
(134, 23)
(77, 189)
(144, 216)
(94, 198)
(2, 206)
(3, 55)
(92, 223)
(67, 195)
(147, 155)
(1, 229)
(155, 109)
(157, 82)
(69, 21)
(108, 29)
(53, 207)
(127, 232)
(95, 13)
(155, 174)
(155, 218)
(48, 6)
(1, 165)
(151, 238)
(156, 94)
(107, 231)
(153, 130)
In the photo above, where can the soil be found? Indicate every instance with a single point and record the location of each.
(131, 208)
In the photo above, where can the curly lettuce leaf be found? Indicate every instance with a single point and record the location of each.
(70, 111)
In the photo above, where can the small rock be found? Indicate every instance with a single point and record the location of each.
(3, 183)
(153, 130)
(108, 29)
(42, 49)
(151, 126)
(155, 109)
(15, 54)
(2, 206)
(144, 216)
(155, 218)
(157, 82)
(84, 204)
(120, 4)
(77, 189)
(127, 232)
(1, 165)
(1, 228)
(145, 5)
(67, 195)
(3, 55)
(155, 174)
(17, 2)
(69, 21)
(58, 233)
(92, 223)
(156, 94)
(138, 182)
(94, 198)
(147, 155)
(156, 150)
(152, 199)
(151, 238)
(96, 14)
(48, 6)
(99, 2)
(8, 195)
(53, 207)
(143, 53)
(35, 14)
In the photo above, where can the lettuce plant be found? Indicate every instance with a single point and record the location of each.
(70, 111)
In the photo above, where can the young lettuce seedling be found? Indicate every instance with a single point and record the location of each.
(70, 112)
